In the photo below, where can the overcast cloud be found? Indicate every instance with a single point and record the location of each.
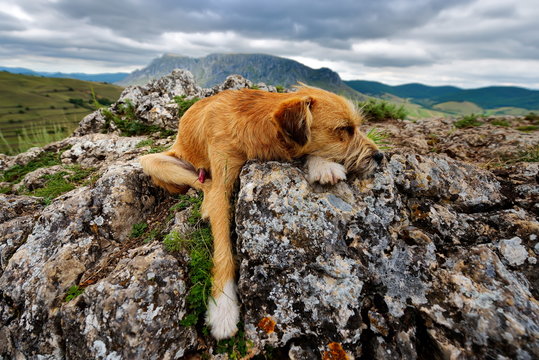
(468, 43)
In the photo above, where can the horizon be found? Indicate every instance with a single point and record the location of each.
(231, 53)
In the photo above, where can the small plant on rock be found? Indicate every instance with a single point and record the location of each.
(468, 121)
(379, 110)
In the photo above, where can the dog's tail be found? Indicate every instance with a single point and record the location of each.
(172, 173)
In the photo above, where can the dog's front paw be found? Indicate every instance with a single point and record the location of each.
(324, 171)
(224, 313)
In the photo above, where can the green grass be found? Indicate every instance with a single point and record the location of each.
(35, 104)
(468, 121)
(184, 104)
(199, 246)
(379, 137)
(73, 292)
(529, 155)
(528, 128)
(143, 143)
(236, 347)
(458, 108)
(61, 182)
(500, 122)
(139, 230)
(379, 110)
(15, 173)
(532, 117)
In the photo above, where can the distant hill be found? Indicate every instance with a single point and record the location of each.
(105, 77)
(213, 69)
(35, 110)
(487, 98)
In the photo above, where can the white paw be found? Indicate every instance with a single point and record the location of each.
(224, 313)
(324, 171)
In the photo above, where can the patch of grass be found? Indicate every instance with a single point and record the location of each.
(143, 143)
(468, 121)
(61, 182)
(379, 137)
(46, 159)
(379, 110)
(529, 155)
(199, 246)
(5, 190)
(184, 104)
(157, 149)
(127, 121)
(236, 347)
(500, 122)
(532, 117)
(280, 88)
(138, 229)
(73, 292)
(528, 128)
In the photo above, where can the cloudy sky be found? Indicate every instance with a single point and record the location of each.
(468, 43)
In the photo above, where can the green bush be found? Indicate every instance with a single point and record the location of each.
(379, 110)
(468, 121)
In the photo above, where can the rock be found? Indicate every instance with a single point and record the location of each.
(369, 266)
(132, 313)
(153, 103)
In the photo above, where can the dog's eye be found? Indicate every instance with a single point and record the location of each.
(347, 129)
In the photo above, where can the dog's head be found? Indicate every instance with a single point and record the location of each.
(327, 125)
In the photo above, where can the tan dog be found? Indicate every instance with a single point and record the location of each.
(217, 135)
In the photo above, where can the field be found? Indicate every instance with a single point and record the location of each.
(37, 110)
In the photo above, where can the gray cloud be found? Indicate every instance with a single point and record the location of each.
(394, 39)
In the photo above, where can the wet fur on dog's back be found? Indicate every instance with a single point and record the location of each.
(217, 135)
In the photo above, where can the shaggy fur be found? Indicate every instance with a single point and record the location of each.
(217, 135)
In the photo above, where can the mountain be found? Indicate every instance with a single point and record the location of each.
(487, 98)
(213, 69)
(105, 77)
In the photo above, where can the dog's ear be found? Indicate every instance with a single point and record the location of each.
(294, 118)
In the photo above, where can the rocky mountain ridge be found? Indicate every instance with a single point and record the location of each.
(434, 258)
(213, 69)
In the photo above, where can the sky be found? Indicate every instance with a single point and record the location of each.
(466, 43)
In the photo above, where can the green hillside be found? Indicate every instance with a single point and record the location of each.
(36, 110)
(495, 99)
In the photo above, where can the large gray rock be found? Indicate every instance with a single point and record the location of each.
(410, 265)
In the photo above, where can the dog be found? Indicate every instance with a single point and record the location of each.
(217, 136)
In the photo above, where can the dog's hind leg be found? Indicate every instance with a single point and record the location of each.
(223, 307)
(172, 173)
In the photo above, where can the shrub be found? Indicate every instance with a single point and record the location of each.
(500, 122)
(468, 121)
(379, 110)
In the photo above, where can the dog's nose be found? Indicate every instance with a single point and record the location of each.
(378, 156)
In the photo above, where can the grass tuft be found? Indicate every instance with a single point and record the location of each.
(468, 121)
(61, 182)
(237, 347)
(380, 138)
(138, 230)
(379, 110)
(184, 104)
